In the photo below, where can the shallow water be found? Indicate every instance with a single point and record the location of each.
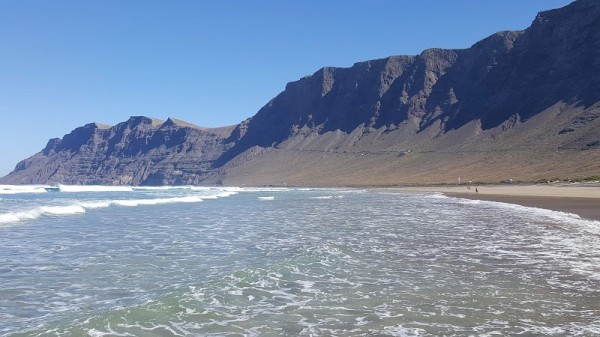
(287, 262)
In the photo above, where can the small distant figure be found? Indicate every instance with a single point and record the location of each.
(476, 190)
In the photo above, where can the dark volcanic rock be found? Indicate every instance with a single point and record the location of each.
(139, 151)
(512, 98)
(506, 75)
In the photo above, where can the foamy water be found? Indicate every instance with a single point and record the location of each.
(192, 261)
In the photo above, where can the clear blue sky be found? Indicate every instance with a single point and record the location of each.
(65, 63)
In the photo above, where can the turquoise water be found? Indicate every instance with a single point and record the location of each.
(290, 262)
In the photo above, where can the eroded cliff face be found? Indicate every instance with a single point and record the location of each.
(517, 104)
(507, 76)
(140, 151)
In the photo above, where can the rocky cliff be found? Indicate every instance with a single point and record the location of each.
(523, 105)
(141, 150)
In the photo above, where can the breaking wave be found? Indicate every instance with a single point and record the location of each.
(81, 206)
(93, 188)
(36, 212)
(266, 198)
(19, 189)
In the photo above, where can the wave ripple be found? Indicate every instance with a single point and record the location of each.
(312, 262)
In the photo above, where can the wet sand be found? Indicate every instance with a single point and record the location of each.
(583, 200)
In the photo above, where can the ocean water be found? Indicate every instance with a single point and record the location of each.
(188, 261)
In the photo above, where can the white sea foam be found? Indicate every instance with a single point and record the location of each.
(18, 216)
(306, 285)
(95, 204)
(437, 195)
(556, 216)
(567, 247)
(215, 194)
(263, 189)
(94, 188)
(60, 210)
(206, 191)
(80, 206)
(400, 331)
(161, 188)
(157, 201)
(469, 201)
(36, 212)
(18, 189)
(266, 198)
(231, 189)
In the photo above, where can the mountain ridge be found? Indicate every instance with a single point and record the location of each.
(520, 104)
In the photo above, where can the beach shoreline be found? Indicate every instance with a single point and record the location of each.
(583, 200)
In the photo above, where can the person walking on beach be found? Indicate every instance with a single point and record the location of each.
(476, 190)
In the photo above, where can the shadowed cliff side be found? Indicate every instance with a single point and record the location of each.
(140, 151)
(505, 77)
(528, 100)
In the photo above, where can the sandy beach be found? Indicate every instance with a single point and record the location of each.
(580, 199)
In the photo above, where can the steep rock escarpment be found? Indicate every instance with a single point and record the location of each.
(517, 104)
(140, 151)
(507, 76)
